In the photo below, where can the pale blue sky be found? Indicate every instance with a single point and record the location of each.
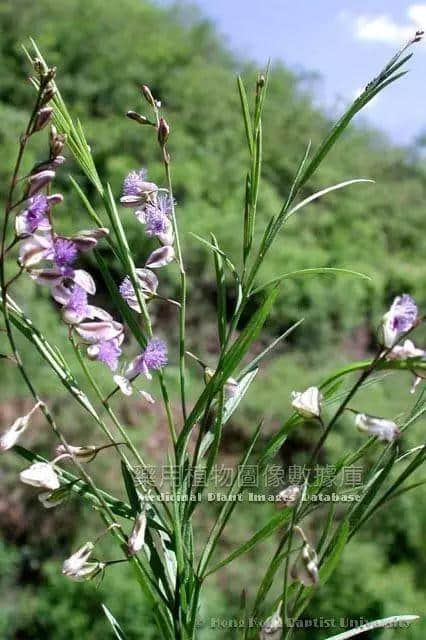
(345, 41)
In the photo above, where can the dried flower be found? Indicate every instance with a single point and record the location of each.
(154, 357)
(12, 435)
(40, 474)
(386, 430)
(289, 496)
(137, 537)
(400, 318)
(307, 403)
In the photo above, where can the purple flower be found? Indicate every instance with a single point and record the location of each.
(77, 302)
(403, 313)
(127, 290)
(65, 252)
(36, 213)
(400, 318)
(109, 352)
(153, 358)
(157, 223)
(133, 183)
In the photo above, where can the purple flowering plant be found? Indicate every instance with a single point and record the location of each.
(155, 535)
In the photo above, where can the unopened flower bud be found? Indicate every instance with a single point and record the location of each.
(40, 474)
(386, 430)
(289, 496)
(307, 403)
(10, 437)
(39, 180)
(85, 454)
(133, 115)
(163, 131)
(43, 118)
(306, 568)
(272, 627)
(137, 537)
(148, 95)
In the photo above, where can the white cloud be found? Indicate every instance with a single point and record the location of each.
(383, 28)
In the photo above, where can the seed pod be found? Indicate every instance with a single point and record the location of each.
(148, 95)
(137, 117)
(43, 118)
(85, 453)
(163, 132)
(137, 537)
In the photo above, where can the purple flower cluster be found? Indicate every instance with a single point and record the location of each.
(400, 318)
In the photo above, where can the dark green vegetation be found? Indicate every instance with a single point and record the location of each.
(103, 51)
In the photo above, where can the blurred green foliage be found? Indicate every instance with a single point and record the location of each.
(104, 51)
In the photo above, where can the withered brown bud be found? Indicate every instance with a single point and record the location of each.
(50, 74)
(38, 66)
(48, 94)
(57, 141)
(419, 35)
(137, 117)
(148, 95)
(260, 81)
(43, 117)
(163, 132)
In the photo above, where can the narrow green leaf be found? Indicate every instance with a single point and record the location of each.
(246, 113)
(118, 631)
(227, 508)
(309, 272)
(263, 534)
(232, 403)
(391, 622)
(132, 493)
(321, 193)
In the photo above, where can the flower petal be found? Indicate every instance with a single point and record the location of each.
(85, 281)
(160, 257)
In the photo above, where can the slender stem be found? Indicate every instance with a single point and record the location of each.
(182, 308)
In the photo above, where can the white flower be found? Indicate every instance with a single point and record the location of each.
(306, 568)
(383, 429)
(289, 496)
(12, 435)
(406, 351)
(76, 562)
(124, 384)
(50, 499)
(40, 474)
(272, 627)
(137, 537)
(307, 403)
(87, 572)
